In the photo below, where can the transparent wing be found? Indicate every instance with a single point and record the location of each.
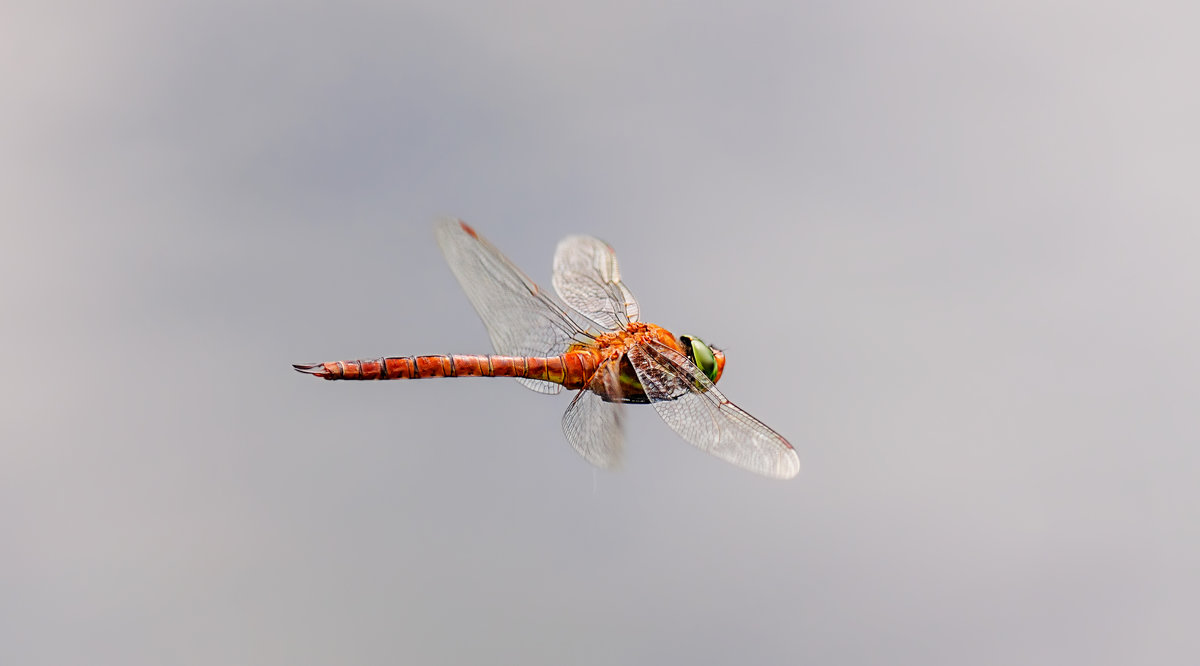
(586, 277)
(520, 318)
(689, 402)
(594, 426)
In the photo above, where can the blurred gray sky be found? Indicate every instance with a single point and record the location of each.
(950, 252)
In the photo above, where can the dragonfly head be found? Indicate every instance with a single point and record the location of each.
(710, 360)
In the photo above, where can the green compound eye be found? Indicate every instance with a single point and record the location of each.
(700, 354)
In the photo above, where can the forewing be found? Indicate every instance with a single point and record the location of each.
(689, 402)
(587, 278)
(520, 318)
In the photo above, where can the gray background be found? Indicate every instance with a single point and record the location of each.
(950, 252)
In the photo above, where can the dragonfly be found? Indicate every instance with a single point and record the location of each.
(593, 342)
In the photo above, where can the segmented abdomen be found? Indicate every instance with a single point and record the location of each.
(573, 370)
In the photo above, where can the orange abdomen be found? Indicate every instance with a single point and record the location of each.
(573, 370)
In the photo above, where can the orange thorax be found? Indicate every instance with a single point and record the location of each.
(609, 351)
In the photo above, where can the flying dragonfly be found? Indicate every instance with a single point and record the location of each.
(596, 345)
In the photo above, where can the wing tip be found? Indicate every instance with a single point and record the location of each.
(788, 466)
(450, 223)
